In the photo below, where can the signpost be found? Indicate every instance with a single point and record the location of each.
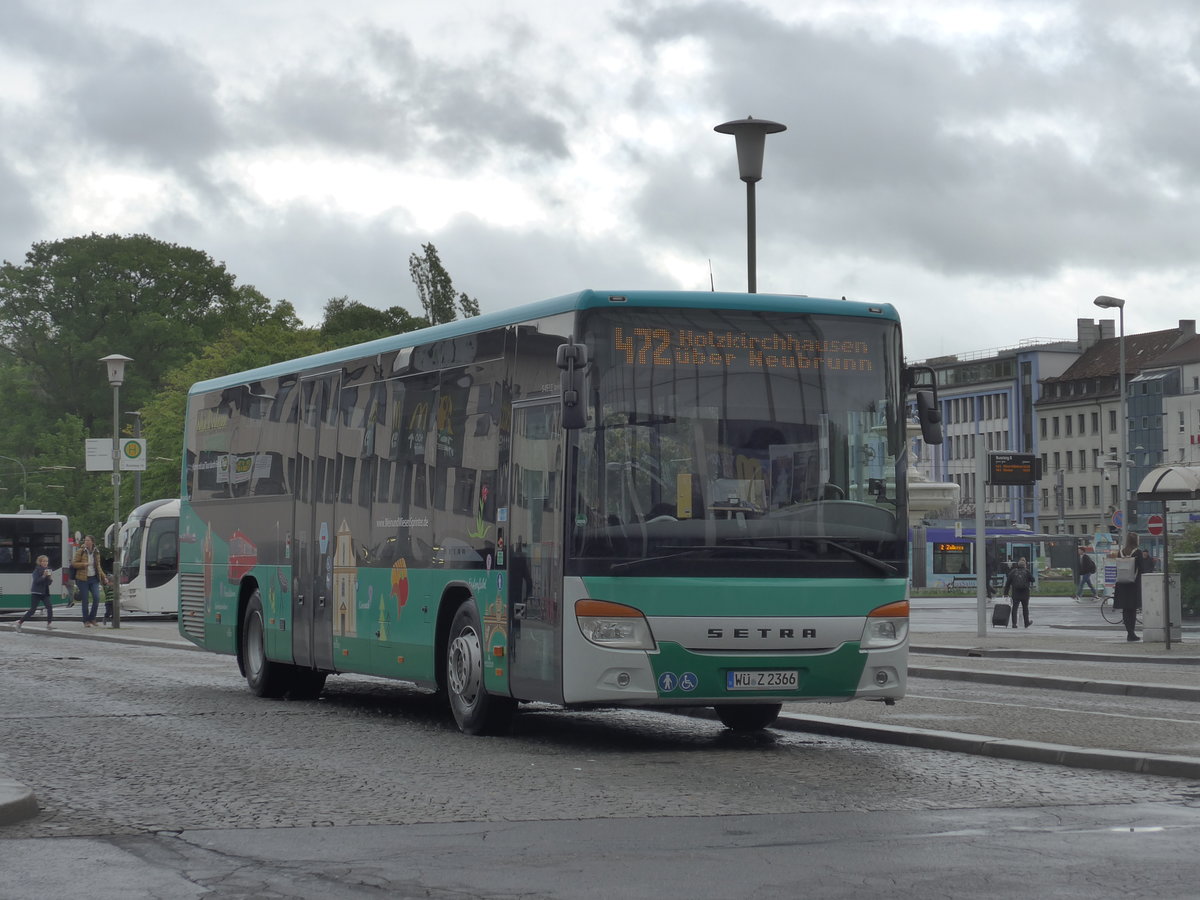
(98, 455)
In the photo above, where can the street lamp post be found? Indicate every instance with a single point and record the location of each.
(24, 480)
(751, 137)
(115, 365)
(1122, 433)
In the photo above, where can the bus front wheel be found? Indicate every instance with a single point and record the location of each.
(266, 678)
(754, 717)
(475, 710)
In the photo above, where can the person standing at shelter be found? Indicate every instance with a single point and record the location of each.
(1087, 568)
(1127, 592)
(1019, 584)
(39, 592)
(89, 575)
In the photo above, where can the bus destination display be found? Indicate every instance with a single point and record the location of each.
(729, 349)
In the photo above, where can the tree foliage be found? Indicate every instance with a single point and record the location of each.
(182, 318)
(77, 300)
(436, 290)
(349, 322)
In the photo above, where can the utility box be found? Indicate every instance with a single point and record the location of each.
(1154, 585)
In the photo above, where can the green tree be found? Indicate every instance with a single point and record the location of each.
(76, 300)
(349, 322)
(436, 290)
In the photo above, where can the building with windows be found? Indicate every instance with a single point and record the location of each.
(988, 399)
(1078, 425)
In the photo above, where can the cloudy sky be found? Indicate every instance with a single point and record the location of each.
(988, 167)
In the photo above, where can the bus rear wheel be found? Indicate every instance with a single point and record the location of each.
(754, 717)
(475, 710)
(265, 678)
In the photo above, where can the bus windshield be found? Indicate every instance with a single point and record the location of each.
(740, 442)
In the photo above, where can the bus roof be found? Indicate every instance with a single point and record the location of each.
(586, 299)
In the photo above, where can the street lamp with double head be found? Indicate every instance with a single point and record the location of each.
(115, 366)
(1122, 432)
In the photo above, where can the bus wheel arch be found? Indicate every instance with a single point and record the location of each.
(265, 677)
(475, 710)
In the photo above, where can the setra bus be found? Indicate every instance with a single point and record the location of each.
(25, 536)
(149, 548)
(653, 499)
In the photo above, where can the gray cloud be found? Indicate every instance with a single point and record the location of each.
(459, 114)
(908, 149)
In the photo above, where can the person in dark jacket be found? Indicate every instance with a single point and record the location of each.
(1019, 584)
(1087, 568)
(1127, 596)
(39, 592)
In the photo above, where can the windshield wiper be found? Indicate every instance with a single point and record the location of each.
(706, 551)
(884, 567)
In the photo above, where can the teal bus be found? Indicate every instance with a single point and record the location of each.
(607, 499)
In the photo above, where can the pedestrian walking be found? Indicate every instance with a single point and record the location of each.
(89, 575)
(39, 592)
(1019, 583)
(1127, 592)
(1087, 568)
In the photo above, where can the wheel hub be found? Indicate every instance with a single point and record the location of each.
(465, 665)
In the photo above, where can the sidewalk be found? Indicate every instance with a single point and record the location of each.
(1124, 706)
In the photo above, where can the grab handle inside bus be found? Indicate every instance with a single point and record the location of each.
(572, 358)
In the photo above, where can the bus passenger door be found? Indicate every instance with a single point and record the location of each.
(314, 528)
(534, 538)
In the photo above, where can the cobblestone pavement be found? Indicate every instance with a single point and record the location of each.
(117, 738)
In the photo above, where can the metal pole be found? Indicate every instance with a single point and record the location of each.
(115, 575)
(137, 475)
(1122, 440)
(980, 536)
(1166, 580)
(751, 241)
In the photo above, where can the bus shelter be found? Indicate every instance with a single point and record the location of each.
(1166, 483)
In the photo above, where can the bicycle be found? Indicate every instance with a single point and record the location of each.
(1112, 615)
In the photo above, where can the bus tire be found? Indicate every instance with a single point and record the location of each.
(754, 717)
(306, 684)
(265, 678)
(475, 710)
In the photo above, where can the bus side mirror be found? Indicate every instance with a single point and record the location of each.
(930, 417)
(572, 358)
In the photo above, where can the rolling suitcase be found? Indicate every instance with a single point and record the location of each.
(1001, 613)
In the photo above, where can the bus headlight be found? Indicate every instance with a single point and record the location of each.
(886, 626)
(613, 625)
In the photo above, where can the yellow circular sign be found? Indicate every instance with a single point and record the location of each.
(132, 449)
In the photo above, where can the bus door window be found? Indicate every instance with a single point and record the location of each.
(314, 527)
(535, 557)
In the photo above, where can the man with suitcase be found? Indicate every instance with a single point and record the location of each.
(1020, 584)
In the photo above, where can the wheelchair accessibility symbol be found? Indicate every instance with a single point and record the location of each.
(688, 681)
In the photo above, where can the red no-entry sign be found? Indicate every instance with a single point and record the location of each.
(1154, 524)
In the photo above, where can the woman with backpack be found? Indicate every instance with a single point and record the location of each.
(1019, 583)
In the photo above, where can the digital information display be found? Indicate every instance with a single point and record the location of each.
(738, 350)
(1013, 468)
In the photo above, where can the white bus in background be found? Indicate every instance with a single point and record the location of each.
(25, 536)
(150, 559)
